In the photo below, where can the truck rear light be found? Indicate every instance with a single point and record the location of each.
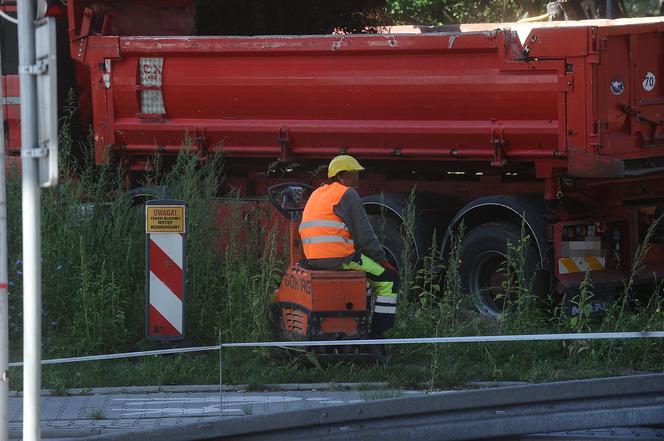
(584, 232)
(584, 247)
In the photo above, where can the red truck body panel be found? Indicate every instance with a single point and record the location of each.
(418, 101)
(569, 99)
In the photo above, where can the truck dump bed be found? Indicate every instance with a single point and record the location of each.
(586, 98)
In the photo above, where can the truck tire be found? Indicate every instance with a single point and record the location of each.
(388, 231)
(483, 254)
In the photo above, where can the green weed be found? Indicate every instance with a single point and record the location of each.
(619, 309)
(409, 253)
(579, 322)
(96, 414)
(522, 310)
(59, 390)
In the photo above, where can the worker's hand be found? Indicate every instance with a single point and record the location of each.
(387, 265)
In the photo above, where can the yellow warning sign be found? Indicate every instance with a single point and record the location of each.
(164, 218)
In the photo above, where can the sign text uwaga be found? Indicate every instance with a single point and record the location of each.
(164, 219)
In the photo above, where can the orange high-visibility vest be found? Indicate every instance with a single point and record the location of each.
(324, 234)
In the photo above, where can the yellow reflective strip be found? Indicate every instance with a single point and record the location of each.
(569, 265)
(594, 263)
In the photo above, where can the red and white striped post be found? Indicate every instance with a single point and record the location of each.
(165, 222)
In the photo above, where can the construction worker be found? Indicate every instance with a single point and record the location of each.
(336, 235)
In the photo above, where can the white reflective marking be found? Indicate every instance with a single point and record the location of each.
(178, 411)
(385, 309)
(152, 71)
(227, 399)
(11, 100)
(209, 404)
(323, 223)
(171, 244)
(152, 102)
(326, 239)
(167, 303)
(386, 299)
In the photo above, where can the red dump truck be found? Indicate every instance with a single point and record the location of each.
(558, 127)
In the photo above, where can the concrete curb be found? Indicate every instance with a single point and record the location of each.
(203, 388)
(488, 384)
(208, 388)
(63, 433)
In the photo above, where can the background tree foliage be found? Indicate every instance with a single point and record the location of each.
(283, 17)
(439, 12)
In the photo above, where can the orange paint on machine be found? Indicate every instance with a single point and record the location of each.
(332, 303)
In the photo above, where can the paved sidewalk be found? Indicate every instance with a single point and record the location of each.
(81, 416)
(88, 413)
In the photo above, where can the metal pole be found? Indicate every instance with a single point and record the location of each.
(221, 378)
(4, 299)
(31, 224)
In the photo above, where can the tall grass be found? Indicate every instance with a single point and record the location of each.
(93, 257)
(522, 310)
(94, 279)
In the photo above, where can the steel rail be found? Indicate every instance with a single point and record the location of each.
(385, 341)
(452, 416)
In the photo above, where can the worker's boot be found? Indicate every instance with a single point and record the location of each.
(380, 324)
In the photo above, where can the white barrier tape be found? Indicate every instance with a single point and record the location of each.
(472, 339)
(384, 341)
(124, 355)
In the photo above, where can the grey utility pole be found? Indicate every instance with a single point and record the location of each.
(4, 299)
(39, 136)
(31, 222)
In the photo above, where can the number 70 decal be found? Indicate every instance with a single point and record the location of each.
(649, 81)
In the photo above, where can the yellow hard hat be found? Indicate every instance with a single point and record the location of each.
(343, 163)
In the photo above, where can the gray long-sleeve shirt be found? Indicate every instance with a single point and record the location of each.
(351, 211)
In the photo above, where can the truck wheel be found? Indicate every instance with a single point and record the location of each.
(483, 255)
(389, 234)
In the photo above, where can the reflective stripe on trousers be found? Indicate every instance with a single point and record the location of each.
(383, 284)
